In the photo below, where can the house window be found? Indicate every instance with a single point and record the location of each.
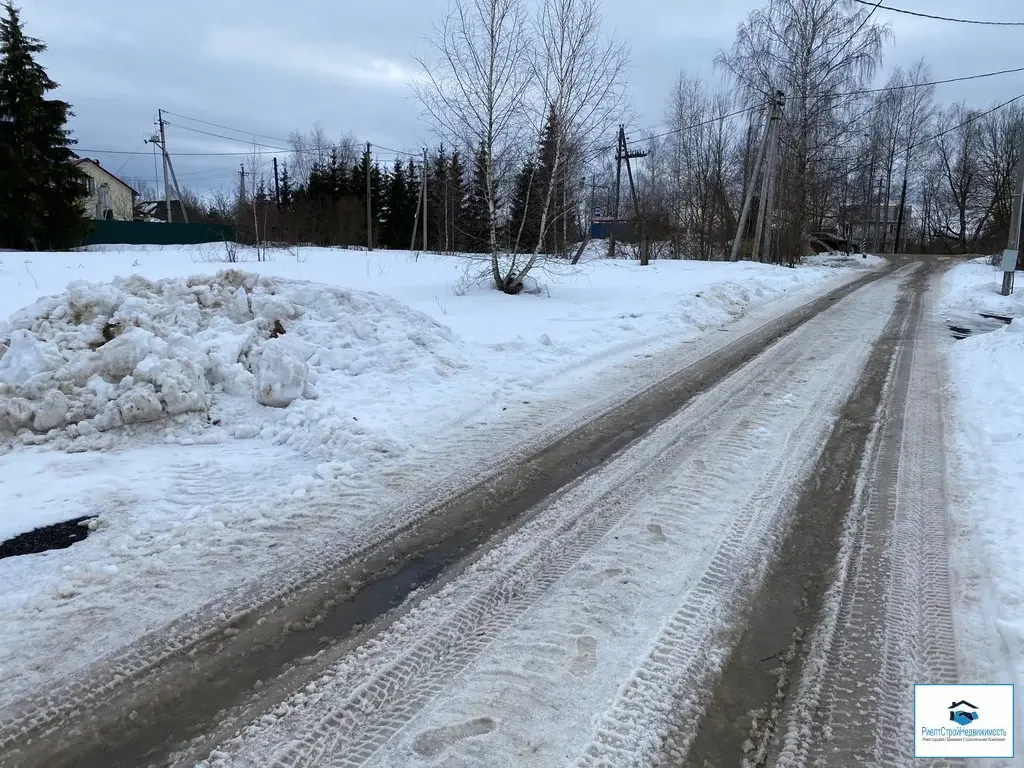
(90, 184)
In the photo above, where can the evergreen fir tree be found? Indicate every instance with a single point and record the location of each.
(545, 170)
(286, 187)
(438, 227)
(378, 196)
(455, 200)
(396, 225)
(525, 212)
(475, 218)
(41, 191)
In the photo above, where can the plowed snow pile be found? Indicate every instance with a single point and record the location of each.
(132, 351)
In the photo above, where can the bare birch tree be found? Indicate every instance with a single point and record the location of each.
(476, 79)
(814, 51)
(581, 75)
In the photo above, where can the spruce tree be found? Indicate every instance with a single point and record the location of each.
(475, 219)
(546, 178)
(456, 199)
(396, 225)
(524, 222)
(286, 187)
(438, 227)
(41, 190)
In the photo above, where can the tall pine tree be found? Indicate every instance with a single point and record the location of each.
(41, 191)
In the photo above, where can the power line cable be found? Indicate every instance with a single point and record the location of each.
(138, 150)
(973, 118)
(945, 18)
(874, 7)
(227, 138)
(227, 128)
(397, 151)
(859, 92)
(270, 149)
(263, 135)
(963, 79)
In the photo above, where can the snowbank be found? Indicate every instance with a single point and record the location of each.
(987, 372)
(842, 259)
(107, 355)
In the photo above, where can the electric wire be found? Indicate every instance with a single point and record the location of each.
(944, 18)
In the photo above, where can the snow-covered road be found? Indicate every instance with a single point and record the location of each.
(582, 636)
(205, 514)
(887, 620)
(195, 508)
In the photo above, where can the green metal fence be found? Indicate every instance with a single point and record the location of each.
(156, 233)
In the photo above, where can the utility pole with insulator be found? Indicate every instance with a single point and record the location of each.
(741, 227)
(773, 176)
(879, 231)
(1012, 252)
(277, 186)
(424, 199)
(618, 184)
(369, 201)
(767, 180)
(627, 154)
(163, 151)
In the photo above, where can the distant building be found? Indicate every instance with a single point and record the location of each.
(868, 225)
(601, 228)
(156, 210)
(107, 196)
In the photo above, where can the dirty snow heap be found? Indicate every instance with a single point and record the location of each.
(105, 355)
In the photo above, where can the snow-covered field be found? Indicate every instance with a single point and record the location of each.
(987, 372)
(218, 423)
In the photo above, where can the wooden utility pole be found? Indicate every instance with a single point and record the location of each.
(416, 218)
(772, 175)
(369, 202)
(424, 194)
(242, 173)
(748, 200)
(1013, 246)
(163, 151)
(627, 155)
(177, 190)
(879, 231)
(277, 186)
(618, 184)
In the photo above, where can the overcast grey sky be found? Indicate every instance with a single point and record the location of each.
(270, 67)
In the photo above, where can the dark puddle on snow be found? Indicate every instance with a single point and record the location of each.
(56, 536)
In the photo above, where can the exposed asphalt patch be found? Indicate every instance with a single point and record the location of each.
(56, 536)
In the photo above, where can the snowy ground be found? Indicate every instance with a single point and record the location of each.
(843, 259)
(987, 373)
(219, 425)
(588, 634)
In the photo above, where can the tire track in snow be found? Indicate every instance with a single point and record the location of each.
(127, 679)
(855, 701)
(377, 690)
